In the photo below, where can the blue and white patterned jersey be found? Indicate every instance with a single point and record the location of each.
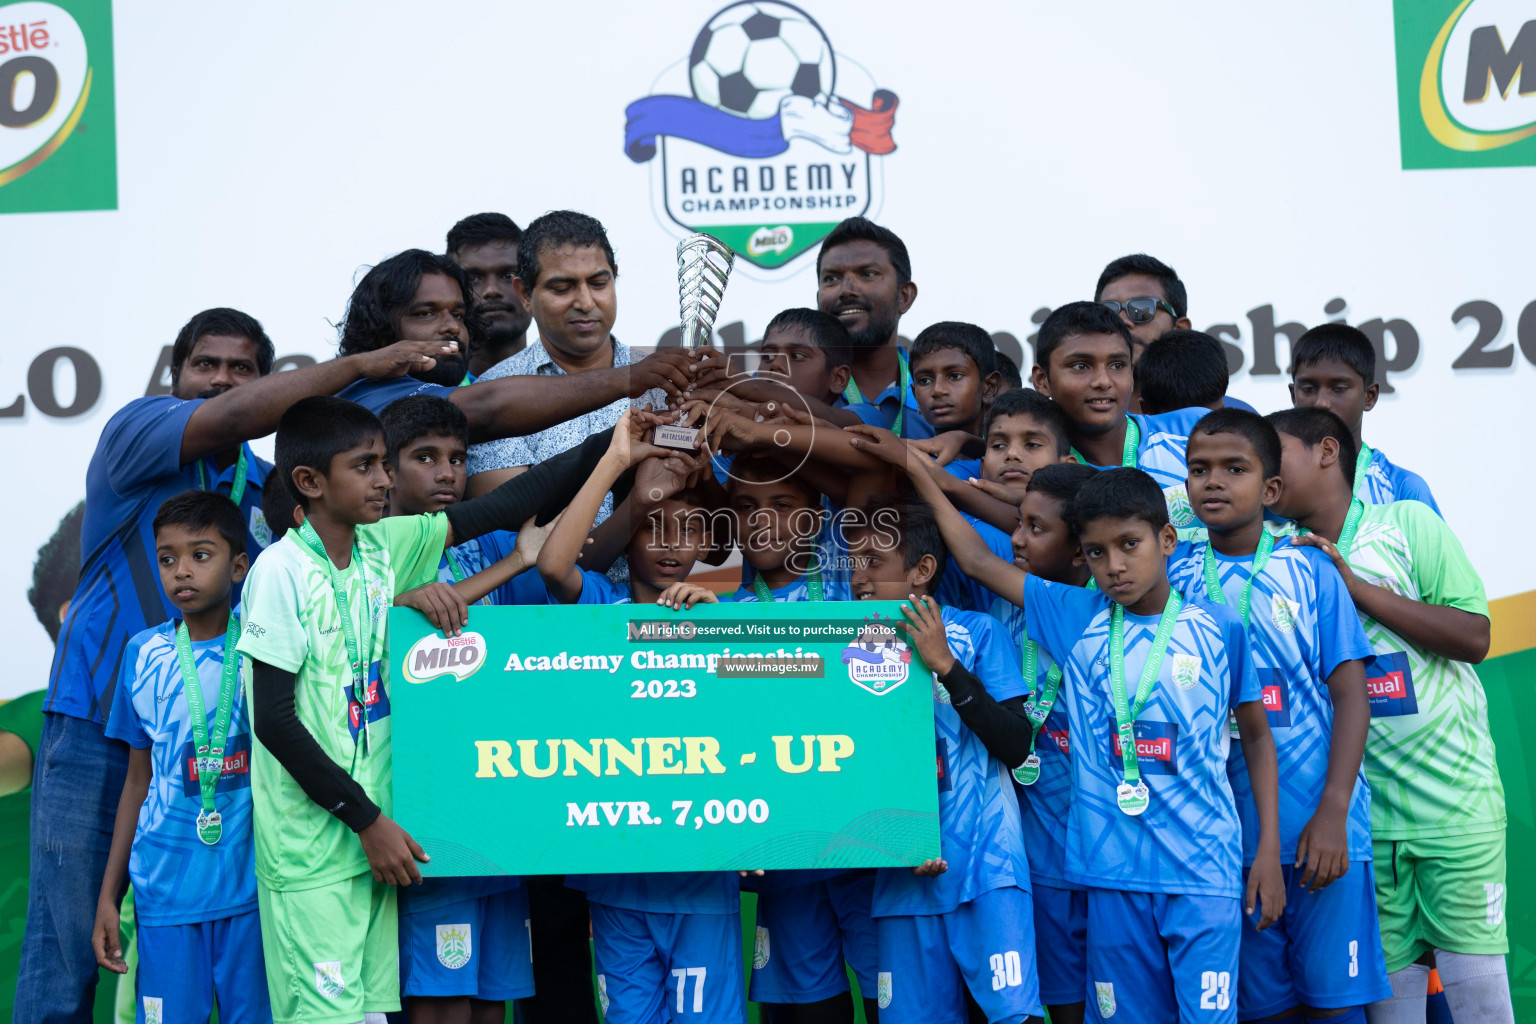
(1045, 806)
(1386, 482)
(980, 835)
(799, 590)
(177, 879)
(527, 587)
(1160, 453)
(1301, 627)
(1188, 840)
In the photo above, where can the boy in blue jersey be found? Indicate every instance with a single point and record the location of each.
(1150, 678)
(954, 377)
(183, 831)
(1323, 959)
(1181, 370)
(812, 352)
(1083, 362)
(667, 945)
(962, 923)
(1333, 367)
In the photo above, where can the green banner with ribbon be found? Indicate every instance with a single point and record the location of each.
(618, 738)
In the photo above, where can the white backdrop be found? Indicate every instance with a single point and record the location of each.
(266, 153)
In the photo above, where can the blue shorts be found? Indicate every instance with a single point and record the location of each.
(1324, 952)
(986, 945)
(1061, 943)
(654, 967)
(805, 932)
(182, 967)
(479, 947)
(1159, 957)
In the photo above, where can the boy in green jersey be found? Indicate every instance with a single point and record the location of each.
(1437, 805)
(327, 851)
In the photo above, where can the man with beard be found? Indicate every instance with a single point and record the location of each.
(154, 447)
(419, 296)
(485, 245)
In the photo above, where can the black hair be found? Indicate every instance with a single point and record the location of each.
(204, 510)
(1029, 402)
(56, 572)
(962, 337)
(414, 416)
(1310, 425)
(1060, 480)
(862, 229)
(758, 467)
(1075, 319)
(554, 229)
(1141, 263)
(220, 320)
(314, 431)
(1008, 370)
(1123, 493)
(386, 291)
(912, 518)
(1349, 345)
(1250, 426)
(1180, 370)
(277, 505)
(826, 330)
(482, 229)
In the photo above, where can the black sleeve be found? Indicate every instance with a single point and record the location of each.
(1003, 727)
(277, 725)
(543, 492)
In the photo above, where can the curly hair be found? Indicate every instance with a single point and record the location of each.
(374, 310)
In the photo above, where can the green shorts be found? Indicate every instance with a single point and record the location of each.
(332, 952)
(1445, 893)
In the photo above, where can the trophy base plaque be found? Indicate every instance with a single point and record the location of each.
(671, 435)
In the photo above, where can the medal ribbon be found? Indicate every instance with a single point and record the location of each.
(236, 488)
(1132, 442)
(1125, 714)
(1351, 525)
(210, 749)
(456, 570)
(852, 395)
(1362, 463)
(765, 596)
(1039, 710)
(355, 654)
(1213, 579)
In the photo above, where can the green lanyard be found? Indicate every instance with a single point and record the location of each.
(1362, 464)
(1132, 795)
(1036, 710)
(359, 663)
(456, 570)
(765, 596)
(1132, 442)
(1213, 579)
(210, 749)
(852, 395)
(236, 488)
(1351, 526)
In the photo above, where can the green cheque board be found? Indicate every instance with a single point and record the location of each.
(621, 738)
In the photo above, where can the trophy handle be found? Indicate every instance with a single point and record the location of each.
(703, 267)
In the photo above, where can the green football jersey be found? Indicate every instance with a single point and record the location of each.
(1429, 756)
(292, 621)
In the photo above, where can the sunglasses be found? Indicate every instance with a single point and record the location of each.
(1139, 311)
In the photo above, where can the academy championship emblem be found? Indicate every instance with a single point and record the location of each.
(762, 136)
(877, 660)
(453, 949)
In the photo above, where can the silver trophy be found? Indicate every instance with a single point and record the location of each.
(703, 267)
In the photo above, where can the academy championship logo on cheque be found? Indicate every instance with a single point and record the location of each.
(762, 136)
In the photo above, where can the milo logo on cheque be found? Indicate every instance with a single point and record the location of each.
(877, 660)
(434, 655)
(766, 136)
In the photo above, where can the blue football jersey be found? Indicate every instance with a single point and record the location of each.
(980, 835)
(1301, 626)
(958, 590)
(666, 892)
(177, 879)
(1189, 840)
(1045, 805)
(799, 590)
(1160, 453)
(527, 587)
(1386, 482)
(378, 395)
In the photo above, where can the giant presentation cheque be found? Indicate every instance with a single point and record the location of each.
(616, 738)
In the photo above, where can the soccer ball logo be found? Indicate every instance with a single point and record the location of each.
(752, 55)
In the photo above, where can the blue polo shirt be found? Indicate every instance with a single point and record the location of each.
(135, 468)
(378, 395)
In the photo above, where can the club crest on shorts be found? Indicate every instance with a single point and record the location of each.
(877, 659)
(1186, 670)
(1105, 992)
(328, 980)
(883, 989)
(453, 945)
(154, 1009)
(758, 135)
(760, 949)
(602, 992)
